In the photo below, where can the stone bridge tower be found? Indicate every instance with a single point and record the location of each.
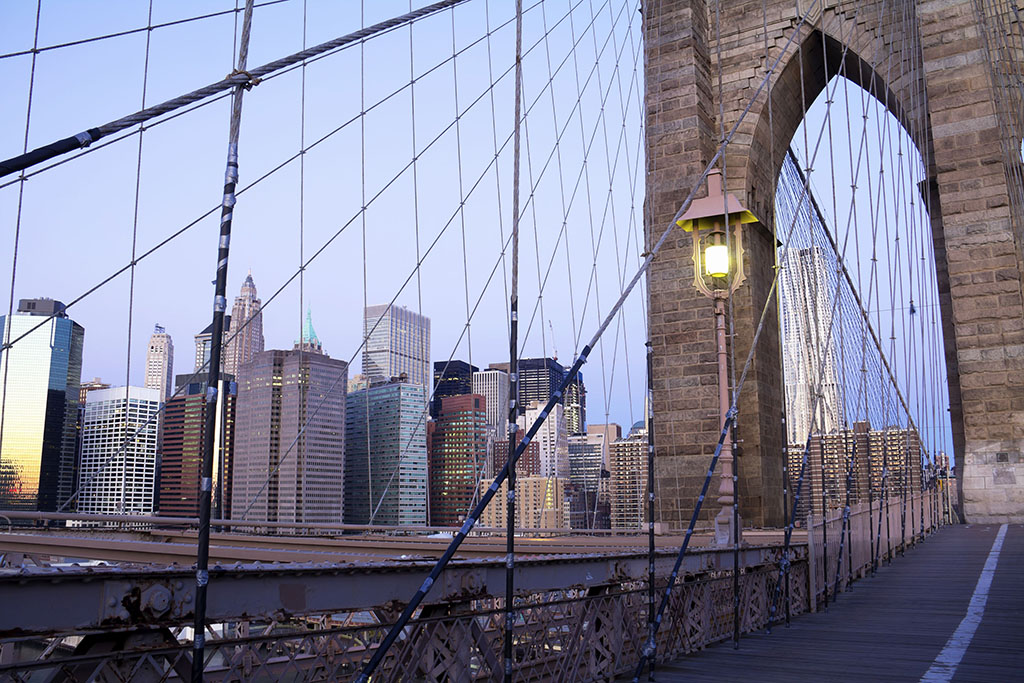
(950, 71)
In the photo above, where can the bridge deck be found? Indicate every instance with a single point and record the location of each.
(891, 627)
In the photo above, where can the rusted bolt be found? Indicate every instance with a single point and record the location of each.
(156, 600)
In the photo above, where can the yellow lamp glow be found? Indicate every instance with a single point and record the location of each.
(716, 256)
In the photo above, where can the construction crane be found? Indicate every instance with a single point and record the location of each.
(554, 347)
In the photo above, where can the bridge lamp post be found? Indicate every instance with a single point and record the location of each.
(717, 274)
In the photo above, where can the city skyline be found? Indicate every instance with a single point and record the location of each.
(542, 375)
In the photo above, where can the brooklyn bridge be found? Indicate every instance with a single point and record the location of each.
(778, 247)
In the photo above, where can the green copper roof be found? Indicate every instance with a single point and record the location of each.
(308, 333)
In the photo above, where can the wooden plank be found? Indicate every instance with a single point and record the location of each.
(891, 626)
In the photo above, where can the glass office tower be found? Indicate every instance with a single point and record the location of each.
(39, 394)
(386, 455)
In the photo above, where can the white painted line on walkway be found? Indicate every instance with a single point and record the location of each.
(944, 666)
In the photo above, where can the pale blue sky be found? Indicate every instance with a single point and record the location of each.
(77, 219)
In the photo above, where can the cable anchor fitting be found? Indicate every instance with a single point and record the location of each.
(253, 80)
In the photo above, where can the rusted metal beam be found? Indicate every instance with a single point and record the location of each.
(108, 598)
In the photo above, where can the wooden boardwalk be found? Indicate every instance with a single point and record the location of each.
(891, 627)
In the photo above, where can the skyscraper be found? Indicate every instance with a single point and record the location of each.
(386, 455)
(552, 437)
(290, 436)
(309, 341)
(629, 478)
(588, 475)
(539, 379)
(587, 457)
(611, 432)
(119, 451)
(397, 343)
(39, 397)
(807, 286)
(492, 384)
(203, 341)
(458, 453)
(451, 378)
(160, 362)
(248, 319)
(181, 451)
(575, 402)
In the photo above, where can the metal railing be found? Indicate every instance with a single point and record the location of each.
(579, 618)
(576, 634)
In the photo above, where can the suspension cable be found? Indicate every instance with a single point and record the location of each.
(213, 387)
(241, 78)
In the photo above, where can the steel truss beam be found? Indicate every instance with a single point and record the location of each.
(111, 598)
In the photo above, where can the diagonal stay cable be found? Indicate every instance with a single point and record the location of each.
(319, 251)
(460, 536)
(580, 177)
(132, 31)
(298, 155)
(223, 95)
(245, 78)
(420, 261)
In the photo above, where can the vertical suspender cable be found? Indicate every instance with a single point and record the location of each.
(652, 627)
(652, 644)
(213, 382)
(301, 446)
(818, 358)
(513, 364)
(732, 346)
(777, 266)
(7, 331)
(131, 282)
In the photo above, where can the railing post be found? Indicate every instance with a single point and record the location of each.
(812, 579)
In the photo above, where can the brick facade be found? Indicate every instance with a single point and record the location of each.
(981, 214)
(894, 51)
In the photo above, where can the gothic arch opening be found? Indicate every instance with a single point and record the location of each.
(863, 350)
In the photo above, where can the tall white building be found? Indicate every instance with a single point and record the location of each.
(552, 437)
(397, 343)
(160, 362)
(247, 317)
(492, 384)
(119, 447)
(807, 287)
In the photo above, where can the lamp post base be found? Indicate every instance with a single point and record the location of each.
(724, 527)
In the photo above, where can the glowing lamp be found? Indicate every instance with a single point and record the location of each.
(716, 255)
